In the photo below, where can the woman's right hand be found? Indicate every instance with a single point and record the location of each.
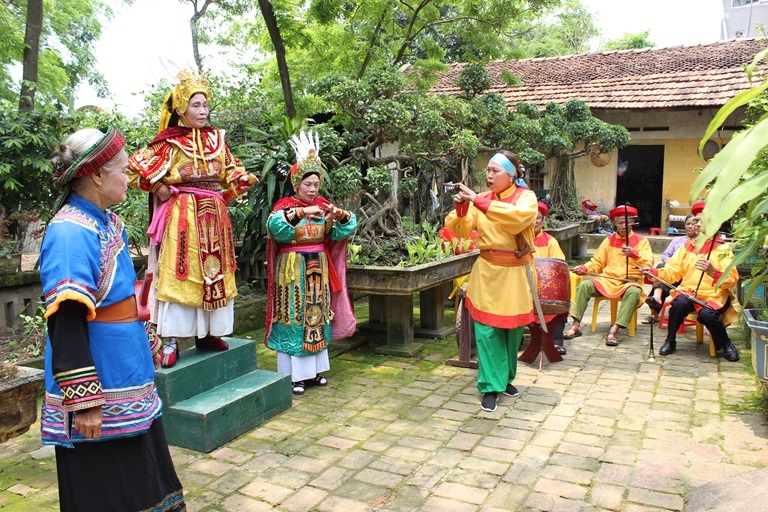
(465, 194)
(163, 193)
(88, 422)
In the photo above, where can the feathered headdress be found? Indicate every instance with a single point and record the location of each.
(307, 149)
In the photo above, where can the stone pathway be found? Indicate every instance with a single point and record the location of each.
(604, 430)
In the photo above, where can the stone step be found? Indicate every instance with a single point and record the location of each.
(210, 419)
(198, 371)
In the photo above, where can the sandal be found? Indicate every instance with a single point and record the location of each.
(650, 320)
(319, 380)
(653, 303)
(573, 332)
(297, 388)
(611, 340)
(560, 350)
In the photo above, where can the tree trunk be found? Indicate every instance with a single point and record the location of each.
(195, 43)
(282, 66)
(31, 54)
(194, 31)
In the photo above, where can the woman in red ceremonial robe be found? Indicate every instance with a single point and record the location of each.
(191, 175)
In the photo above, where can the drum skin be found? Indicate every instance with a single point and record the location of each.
(553, 285)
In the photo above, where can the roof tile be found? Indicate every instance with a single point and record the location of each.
(680, 76)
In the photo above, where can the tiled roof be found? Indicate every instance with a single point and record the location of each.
(681, 76)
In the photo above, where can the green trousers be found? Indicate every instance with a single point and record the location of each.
(497, 356)
(629, 301)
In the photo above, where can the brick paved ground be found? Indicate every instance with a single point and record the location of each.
(602, 431)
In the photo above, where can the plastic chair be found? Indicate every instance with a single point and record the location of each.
(689, 321)
(614, 308)
(575, 281)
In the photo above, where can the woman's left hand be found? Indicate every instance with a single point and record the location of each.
(246, 182)
(705, 266)
(88, 422)
(333, 212)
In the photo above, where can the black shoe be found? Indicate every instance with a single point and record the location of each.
(730, 353)
(489, 402)
(511, 390)
(297, 388)
(668, 348)
(319, 380)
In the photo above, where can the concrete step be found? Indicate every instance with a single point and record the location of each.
(198, 371)
(210, 419)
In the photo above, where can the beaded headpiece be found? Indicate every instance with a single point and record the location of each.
(307, 148)
(177, 100)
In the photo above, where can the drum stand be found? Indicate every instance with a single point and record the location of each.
(542, 343)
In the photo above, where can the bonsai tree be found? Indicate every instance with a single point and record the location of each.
(409, 142)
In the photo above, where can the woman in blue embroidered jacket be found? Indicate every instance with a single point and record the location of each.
(101, 409)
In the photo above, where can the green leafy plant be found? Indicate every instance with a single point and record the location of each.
(737, 180)
(353, 253)
(427, 247)
(30, 341)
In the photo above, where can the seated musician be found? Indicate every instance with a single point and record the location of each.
(617, 262)
(660, 291)
(699, 291)
(546, 246)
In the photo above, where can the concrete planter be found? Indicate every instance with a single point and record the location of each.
(250, 315)
(565, 232)
(587, 226)
(18, 402)
(565, 237)
(407, 280)
(390, 301)
(10, 264)
(759, 342)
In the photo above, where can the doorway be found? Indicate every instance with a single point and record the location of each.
(640, 184)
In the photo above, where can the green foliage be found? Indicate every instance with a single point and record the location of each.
(737, 182)
(26, 142)
(379, 178)
(408, 185)
(353, 38)
(566, 30)
(31, 343)
(629, 41)
(66, 59)
(474, 79)
(343, 184)
(510, 80)
(427, 247)
(265, 154)
(135, 214)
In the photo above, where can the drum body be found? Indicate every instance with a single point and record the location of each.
(553, 284)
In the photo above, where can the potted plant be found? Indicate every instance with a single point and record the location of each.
(757, 321)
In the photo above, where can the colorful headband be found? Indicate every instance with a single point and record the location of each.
(89, 161)
(505, 164)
